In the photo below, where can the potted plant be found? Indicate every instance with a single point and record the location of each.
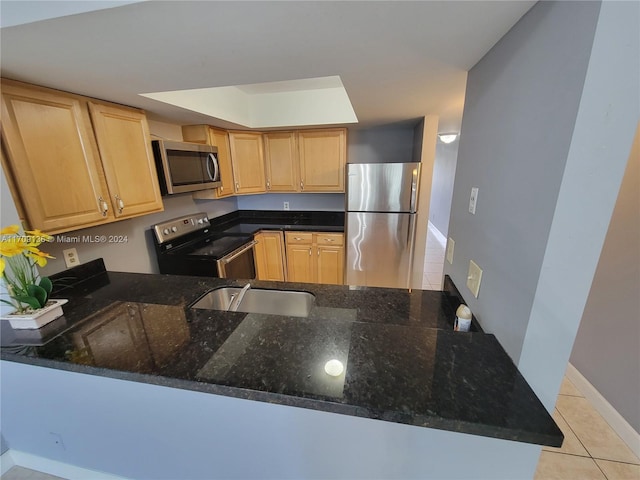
(28, 292)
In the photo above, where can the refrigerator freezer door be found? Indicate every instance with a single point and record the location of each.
(379, 249)
(382, 187)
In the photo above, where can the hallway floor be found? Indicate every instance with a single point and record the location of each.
(591, 449)
(434, 260)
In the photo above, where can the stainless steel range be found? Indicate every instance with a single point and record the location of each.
(189, 246)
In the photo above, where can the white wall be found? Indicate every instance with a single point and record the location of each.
(602, 137)
(608, 341)
(137, 430)
(444, 171)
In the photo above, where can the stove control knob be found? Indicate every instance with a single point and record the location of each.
(174, 229)
(166, 231)
(200, 221)
(206, 219)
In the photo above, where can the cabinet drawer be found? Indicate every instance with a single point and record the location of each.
(299, 238)
(330, 239)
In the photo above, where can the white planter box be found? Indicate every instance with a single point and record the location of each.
(37, 318)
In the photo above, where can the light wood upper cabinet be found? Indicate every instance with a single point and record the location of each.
(247, 158)
(125, 148)
(269, 255)
(53, 159)
(66, 172)
(217, 138)
(281, 162)
(322, 159)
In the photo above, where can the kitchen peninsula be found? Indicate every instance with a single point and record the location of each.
(132, 371)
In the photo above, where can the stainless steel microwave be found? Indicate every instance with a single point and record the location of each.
(186, 167)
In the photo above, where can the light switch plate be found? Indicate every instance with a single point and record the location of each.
(473, 199)
(71, 257)
(474, 277)
(450, 246)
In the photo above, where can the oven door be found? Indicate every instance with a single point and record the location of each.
(239, 263)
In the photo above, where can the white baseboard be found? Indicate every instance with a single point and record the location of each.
(625, 431)
(438, 234)
(53, 467)
(6, 462)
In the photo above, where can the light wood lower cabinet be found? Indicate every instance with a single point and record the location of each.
(270, 256)
(68, 172)
(315, 257)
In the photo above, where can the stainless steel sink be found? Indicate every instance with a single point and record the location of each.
(291, 303)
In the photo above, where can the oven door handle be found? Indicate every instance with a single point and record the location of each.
(238, 252)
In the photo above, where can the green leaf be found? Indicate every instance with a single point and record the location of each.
(46, 284)
(31, 301)
(39, 293)
(8, 302)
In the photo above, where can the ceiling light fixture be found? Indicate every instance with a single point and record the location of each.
(447, 137)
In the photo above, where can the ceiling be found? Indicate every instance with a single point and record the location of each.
(398, 61)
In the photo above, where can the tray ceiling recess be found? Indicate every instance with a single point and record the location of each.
(309, 101)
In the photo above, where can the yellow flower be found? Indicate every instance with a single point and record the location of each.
(39, 257)
(11, 248)
(10, 230)
(37, 233)
(2, 265)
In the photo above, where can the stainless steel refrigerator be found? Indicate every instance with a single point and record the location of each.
(381, 223)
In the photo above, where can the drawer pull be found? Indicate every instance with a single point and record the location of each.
(297, 238)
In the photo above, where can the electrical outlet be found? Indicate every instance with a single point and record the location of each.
(71, 258)
(450, 246)
(286, 205)
(473, 199)
(474, 277)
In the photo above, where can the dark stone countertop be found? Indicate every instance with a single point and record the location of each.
(402, 361)
(252, 221)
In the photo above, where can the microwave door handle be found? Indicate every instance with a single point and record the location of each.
(211, 160)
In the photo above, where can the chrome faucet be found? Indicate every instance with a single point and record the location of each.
(237, 299)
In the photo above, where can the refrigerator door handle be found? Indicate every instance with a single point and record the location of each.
(414, 189)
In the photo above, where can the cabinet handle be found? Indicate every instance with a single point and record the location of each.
(309, 252)
(301, 185)
(318, 252)
(120, 203)
(104, 206)
(222, 188)
(268, 185)
(237, 186)
(297, 238)
(330, 239)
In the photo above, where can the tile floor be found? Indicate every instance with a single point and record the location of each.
(591, 449)
(21, 473)
(434, 260)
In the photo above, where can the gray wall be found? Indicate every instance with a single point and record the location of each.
(444, 171)
(297, 201)
(387, 143)
(608, 341)
(521, 104)
(3, 445)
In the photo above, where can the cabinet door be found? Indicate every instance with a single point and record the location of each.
(220, 139)
(330, 266)
(322, 155)
(300, 263)
(125, 147)
(247, 158)
(281, 162)
(53, 158)
(330, 253)
(270, 256)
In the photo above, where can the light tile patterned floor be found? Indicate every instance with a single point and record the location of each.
(591, 449)
(21, 473)
(434, 261)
